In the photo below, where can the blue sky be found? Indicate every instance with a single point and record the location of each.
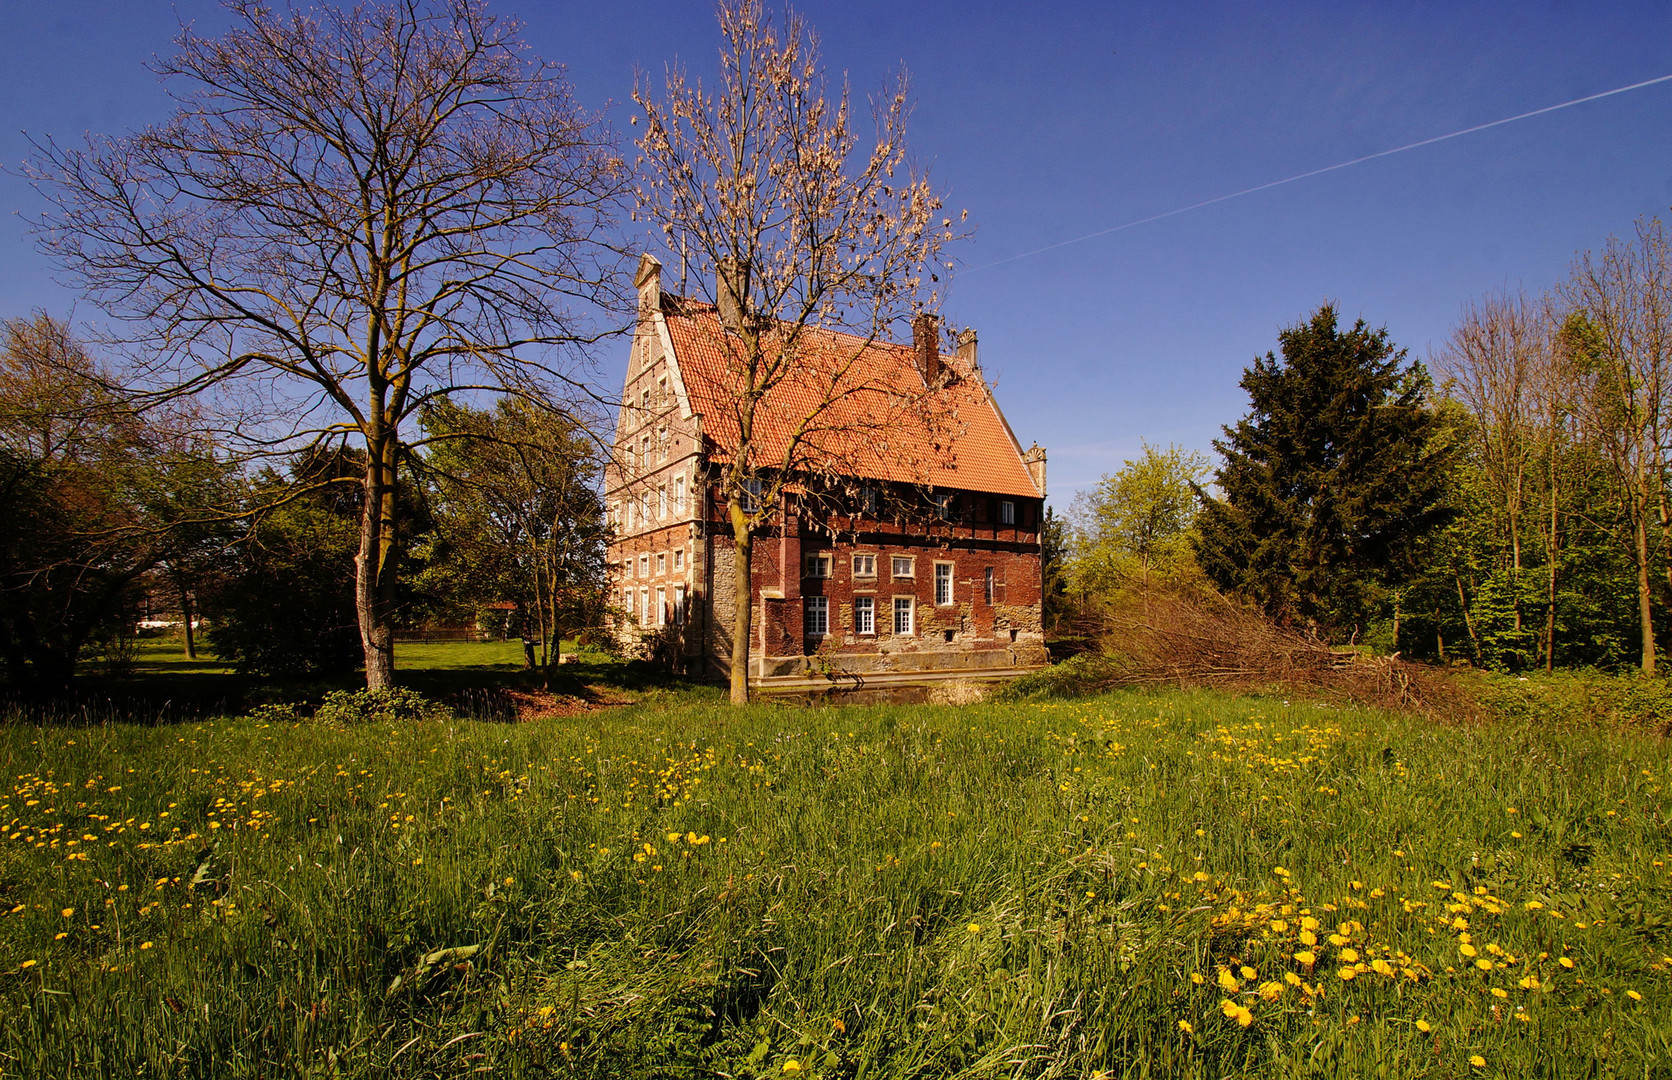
(1050, 121)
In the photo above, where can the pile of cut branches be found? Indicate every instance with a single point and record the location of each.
(1201, 639)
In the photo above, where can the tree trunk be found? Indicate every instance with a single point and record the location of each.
(1468, 623)
(1551, 551)
(743, 610)
(374, 565)
(1645, 605)
(186, 614)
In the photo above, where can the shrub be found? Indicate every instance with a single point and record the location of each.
(379, 706)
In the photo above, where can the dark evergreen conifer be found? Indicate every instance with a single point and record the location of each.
(1337, 470)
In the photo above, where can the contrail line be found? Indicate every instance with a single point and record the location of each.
(1326, 169)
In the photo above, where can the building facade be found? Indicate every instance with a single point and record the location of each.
(893, 576)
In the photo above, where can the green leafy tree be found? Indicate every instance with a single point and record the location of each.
(281, 601)
(93, 497)
(518, 518)
(1329, 482)
(1135, 525)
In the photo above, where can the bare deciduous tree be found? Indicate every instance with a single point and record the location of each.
(802, 224)
(1622, 338)
(350, 213)
(1494, 359)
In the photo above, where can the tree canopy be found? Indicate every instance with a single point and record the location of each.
(1338, 469)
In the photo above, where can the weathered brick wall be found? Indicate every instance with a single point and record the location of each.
(968, 632)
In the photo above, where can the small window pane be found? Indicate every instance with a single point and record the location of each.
(903, 566)
(864, 615)
(943, 584)
(989, 585)
(864, 566)
(902, 614)
(1007, 513)
(817, 616)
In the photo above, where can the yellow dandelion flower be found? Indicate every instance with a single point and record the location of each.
(1423, 1026)
(1382, 967)
(975, 928)
(1477, 1061)
(792, 1066)
(1196, 977)
(1291, 978)
(1347, 974)
(673, 838)
(1228, 982)
(1567, 962)
(1236, 1012)
(1271, 991)
(67, 912)
(1466, 949)
(1484, 964)
(1184, 1026)
(144, 945)
(1499, 992)
(1247, 972)
(1306, 957)
(1307, 937)
(1350, 955)
(1278, 926)
(1634, 995)
(27, 964)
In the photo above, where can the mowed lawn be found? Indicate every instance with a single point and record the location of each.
(1133, 885)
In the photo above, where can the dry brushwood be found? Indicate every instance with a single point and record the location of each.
(1205, 640)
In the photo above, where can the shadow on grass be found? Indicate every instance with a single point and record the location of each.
(162, 687)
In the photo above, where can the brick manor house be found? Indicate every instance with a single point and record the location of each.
(883, 597)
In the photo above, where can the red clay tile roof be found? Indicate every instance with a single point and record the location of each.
(877, 427)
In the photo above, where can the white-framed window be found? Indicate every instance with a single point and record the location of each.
(662, 390)
(679, 494)
(679, 605)
(944, 504)
(644, 452)
(864, 566)
(864, 615)
(630, 522)
(662, 444)
(661, 562)
(943, 584)
(817, 615)
(751, 496)
(679, 559)
(644, 566)
(644, 604)
(870, 500)
(644, 400)
(903, 566)
(661, 605)
(627, 602)
(818, 565)
(1007, 512)
(662, 501)
(903, 610)
(989, 589)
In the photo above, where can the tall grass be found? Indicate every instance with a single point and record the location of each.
(677, 889)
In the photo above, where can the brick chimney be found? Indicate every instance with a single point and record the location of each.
(732, 287)
(925, 344)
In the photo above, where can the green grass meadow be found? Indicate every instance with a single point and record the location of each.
(1161, 885)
